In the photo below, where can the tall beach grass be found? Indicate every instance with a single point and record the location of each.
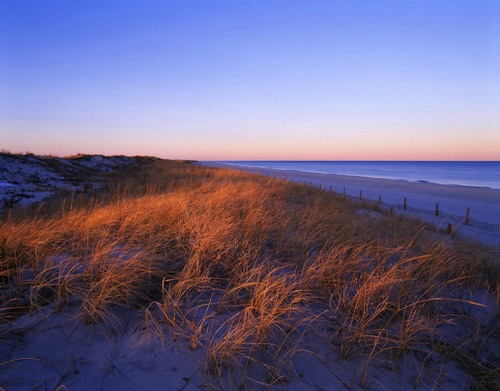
(256, 271)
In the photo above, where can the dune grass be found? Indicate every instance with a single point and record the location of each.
(254, 271)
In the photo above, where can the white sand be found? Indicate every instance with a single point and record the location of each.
(49, 349)
(484, 203)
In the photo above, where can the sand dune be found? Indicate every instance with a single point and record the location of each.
(483, 203)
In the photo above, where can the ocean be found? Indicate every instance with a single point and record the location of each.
(475, 174)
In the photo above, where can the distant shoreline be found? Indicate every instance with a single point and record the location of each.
(237, 166)
(390, 170)
(484, 203)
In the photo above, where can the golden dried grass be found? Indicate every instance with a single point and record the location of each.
(243, 266)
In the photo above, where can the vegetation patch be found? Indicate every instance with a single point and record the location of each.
(257, 277)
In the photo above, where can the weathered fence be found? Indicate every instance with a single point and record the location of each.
(465, 220)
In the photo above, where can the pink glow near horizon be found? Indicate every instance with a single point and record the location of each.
(252, 80)
(244, 149)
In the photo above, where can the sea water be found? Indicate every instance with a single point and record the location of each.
(476, 174)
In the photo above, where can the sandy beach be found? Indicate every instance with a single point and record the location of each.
(223, 281)
(483, 203)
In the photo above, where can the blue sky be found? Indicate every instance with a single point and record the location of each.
(214, 80)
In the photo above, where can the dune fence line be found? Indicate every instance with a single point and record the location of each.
(465, 220)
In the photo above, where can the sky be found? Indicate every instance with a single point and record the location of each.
(252, 79)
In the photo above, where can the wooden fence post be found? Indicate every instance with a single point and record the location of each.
(330, 189)
(467, 215)
(379, 199)
(360, 195)
(343, 193)
(450, 229)
(437, 209)
(404, 204)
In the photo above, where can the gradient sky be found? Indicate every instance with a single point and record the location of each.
(252, 80)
